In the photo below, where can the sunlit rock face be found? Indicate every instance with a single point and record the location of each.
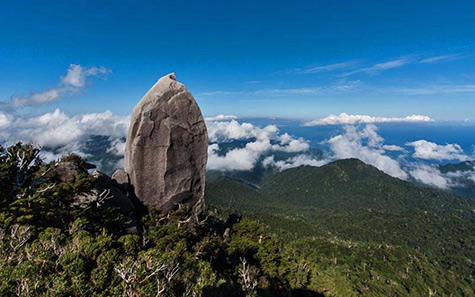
(166, 150)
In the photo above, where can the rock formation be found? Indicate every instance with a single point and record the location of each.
(166, 150)
(105, 190)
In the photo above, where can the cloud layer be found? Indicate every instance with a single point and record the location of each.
(348, 119)
(238, 145)
(60, 133)
(292, 162)
(424, 149)
(367, 145)
(361, 142)
(258, 143)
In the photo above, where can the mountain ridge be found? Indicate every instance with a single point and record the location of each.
(350, 200)
(331, 179)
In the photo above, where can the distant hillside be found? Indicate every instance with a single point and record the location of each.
(354, 201)
(463, 174)
(351, 185)
(462, 166)
(344, 185)
(98, 150)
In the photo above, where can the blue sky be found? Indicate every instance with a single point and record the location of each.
(294, 59)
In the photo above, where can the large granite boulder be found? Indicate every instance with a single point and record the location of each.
(166, 150)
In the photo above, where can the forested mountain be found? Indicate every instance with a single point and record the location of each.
(350, 201)
(344, 229)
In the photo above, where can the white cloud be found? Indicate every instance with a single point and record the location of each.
(344, 118)
(48, 156)
(424, 149)
(260, 142)
(393, 148)
(74, 81)
(77, 74)
(236, 159)
(233, 130)
(5, 120)
(365, 144)
(432, 176)
(391, 64)
(221, 117)
(355, 86)
(322, 68)
(440, 58)
(117, 147)
(458, 176)
(64, 134)
(375, 68)
(429, 175)
(293, 146)
(61, 132)
(296, 161)
(37, 98)
(268, 161)
(285, 138)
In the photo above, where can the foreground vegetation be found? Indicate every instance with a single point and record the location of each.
(51, 246)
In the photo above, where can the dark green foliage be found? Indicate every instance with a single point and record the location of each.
(351, 185)
(49, 246)
(352, 202)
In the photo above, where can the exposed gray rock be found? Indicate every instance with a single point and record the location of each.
(121, 178)
(166, 150)
(105, 191)
(65, 171)
(117, 195)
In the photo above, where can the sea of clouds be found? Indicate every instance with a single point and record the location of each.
(60, 134)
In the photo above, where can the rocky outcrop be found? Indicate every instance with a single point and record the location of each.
(65, 171)
(104, 191)
(116, 194)
(166, 150)
(121, 178)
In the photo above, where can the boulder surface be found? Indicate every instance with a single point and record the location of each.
(166, 149)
